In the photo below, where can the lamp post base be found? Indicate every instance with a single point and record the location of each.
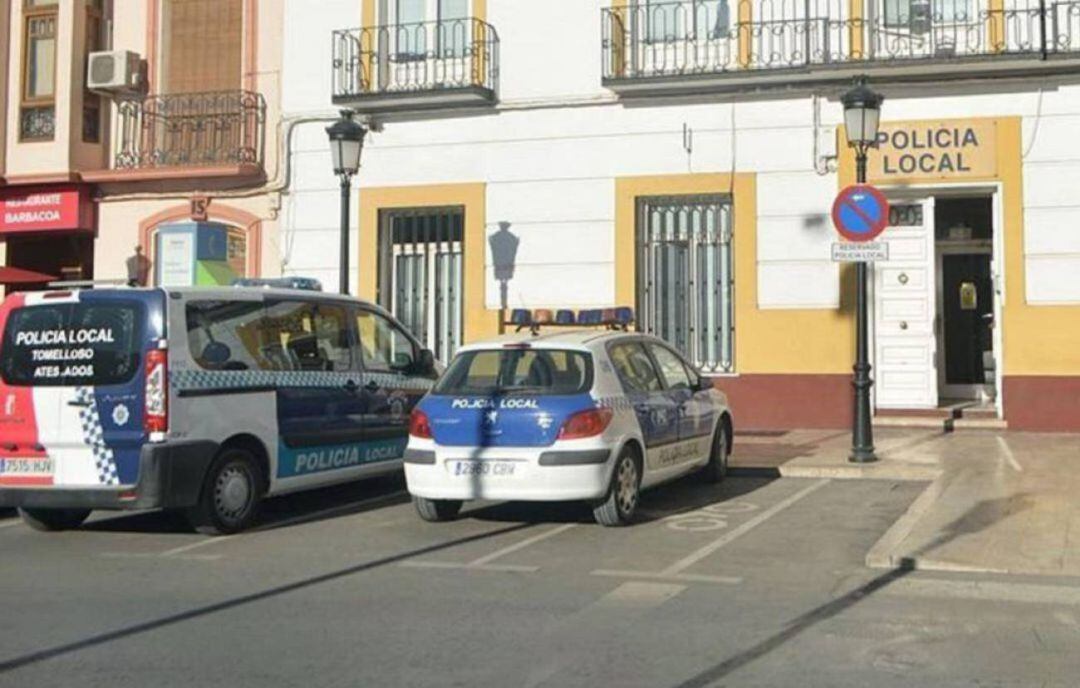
(862, 456)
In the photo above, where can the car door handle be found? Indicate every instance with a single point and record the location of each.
(372, 386)
(351, 386)
(76, 402)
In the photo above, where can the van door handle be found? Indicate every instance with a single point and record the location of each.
(76, 402)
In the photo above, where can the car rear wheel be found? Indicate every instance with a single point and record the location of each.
(229, 502)
(435, 510)
(622, 497)
(54, 519)
(716, 470)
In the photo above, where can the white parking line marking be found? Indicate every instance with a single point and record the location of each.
(709, 549)
(678, 578)
(151, 555)
(195, 545)
(501, 568)
(640, 595)
(484, 562)
(498, 554)
(11, 523)
(1007, 450)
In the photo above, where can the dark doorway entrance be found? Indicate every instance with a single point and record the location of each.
(963, 228)
(967, 292)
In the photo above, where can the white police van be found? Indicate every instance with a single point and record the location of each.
(582, 415)
(202, 399)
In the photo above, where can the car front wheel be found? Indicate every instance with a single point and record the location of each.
(716, 470)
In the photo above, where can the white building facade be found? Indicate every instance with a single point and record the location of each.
(682, 158)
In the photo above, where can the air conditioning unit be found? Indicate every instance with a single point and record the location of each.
(114, 72)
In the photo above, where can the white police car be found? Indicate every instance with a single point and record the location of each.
(589, 415)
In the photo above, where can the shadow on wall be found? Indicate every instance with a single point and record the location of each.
(503, 245)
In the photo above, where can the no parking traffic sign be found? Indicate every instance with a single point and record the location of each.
(860, 213)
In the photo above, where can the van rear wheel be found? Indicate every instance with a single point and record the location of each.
(229, 502)
(54, 519)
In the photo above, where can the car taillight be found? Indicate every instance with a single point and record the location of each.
(419, 426)
(588, 423)
(156, 400)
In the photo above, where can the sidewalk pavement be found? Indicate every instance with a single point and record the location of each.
(998, 502)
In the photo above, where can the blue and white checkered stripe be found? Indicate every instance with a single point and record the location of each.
(212, 380)
(93, 436)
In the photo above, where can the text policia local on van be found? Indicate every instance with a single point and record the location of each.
(933, 150)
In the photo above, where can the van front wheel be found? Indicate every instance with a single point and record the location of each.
(54, 519)
(230, 496)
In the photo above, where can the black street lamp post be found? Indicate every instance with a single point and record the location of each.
(346, 144)
(862, 116)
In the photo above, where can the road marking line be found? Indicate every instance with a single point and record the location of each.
(501, 568)
(990, 591)
(679, 577)
(195, 545)
(12, 523)
(639, 595)
(712, 547)
(497, 554)
(1007, 450)
(151, 555)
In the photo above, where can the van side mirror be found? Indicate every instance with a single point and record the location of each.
(425, 363)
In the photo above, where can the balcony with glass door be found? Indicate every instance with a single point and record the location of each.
(690, 45)
(427, 54)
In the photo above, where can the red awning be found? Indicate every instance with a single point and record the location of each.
(10, 275)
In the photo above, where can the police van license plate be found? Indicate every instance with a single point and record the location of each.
(482, 467)
(26, 466)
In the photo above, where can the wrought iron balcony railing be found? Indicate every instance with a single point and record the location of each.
(700, 37)
(191, 130)
(395, 63)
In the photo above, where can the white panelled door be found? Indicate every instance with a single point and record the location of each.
(904, 307)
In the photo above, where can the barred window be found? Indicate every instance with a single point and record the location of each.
(685, 278)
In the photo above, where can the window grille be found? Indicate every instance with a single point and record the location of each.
(685, 276)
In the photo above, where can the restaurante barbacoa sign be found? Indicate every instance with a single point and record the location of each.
(954, 149)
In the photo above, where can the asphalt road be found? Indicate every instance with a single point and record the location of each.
(756, 582)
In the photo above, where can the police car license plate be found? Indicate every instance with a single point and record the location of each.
(26, 466)
(483, 467)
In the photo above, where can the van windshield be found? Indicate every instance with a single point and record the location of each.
(67, 344)
(525, 371)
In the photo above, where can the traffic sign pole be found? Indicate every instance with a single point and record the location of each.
(861, 214)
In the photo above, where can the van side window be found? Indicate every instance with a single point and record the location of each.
(225, 335)
(383, 345)
(306, 336)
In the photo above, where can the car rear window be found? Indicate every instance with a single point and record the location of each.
(528, 371)
(66, 344)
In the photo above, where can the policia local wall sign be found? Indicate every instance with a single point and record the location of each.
(949, 149)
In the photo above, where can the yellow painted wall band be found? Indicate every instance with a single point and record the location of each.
(746, 33)
(479, 322)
